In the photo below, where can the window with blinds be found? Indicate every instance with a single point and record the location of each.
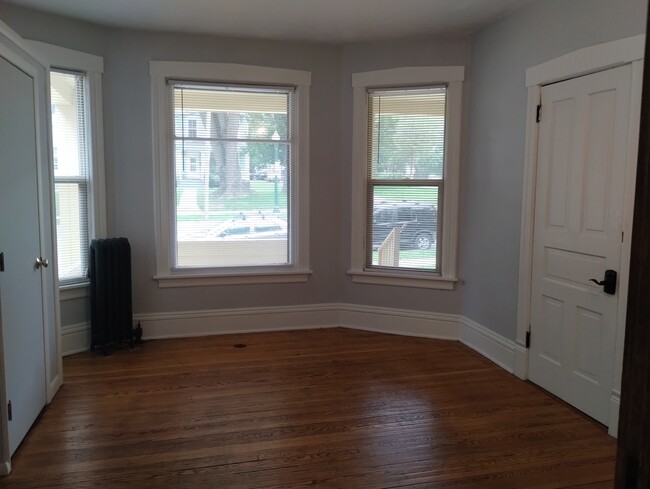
(405, 179)
(231, 195)
(70, 151)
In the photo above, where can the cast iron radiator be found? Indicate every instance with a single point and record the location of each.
(111, 314)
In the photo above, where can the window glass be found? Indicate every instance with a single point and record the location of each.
(232, 169)
(70, 150)
(406, 151)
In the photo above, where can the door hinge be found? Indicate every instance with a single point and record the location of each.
(2, 262)
(528, 339)
(10, 413)
(539, 113)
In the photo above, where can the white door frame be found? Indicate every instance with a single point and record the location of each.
(582, 62)
(15, 50)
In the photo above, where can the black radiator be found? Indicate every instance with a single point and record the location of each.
(111, 313)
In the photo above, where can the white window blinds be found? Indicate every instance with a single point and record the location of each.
(70, 159)
(406, 154)
(231, 203)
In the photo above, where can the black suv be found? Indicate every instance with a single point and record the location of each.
(418, 222)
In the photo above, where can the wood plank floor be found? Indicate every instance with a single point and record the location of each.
(324, 408)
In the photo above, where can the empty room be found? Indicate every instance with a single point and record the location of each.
(347, 244)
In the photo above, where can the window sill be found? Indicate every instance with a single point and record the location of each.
(195, 280)
(74, 291)
(402, 279)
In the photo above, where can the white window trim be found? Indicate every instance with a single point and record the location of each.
(160, 72)
(53, 57)
(453, 77)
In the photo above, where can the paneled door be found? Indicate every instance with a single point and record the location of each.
(578, 236)
(21, 281)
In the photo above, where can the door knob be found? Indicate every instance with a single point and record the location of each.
(609, 283)
(42, 262)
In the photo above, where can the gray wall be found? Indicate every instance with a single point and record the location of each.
(491, 177)
(130, 173)
(128, 145)
(493, 174)
(62, 31)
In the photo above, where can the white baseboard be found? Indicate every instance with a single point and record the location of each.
(506, 353)
(259, 319)
(491, 345)
(231, 321)
(614, 407)
(53, 388)
(5, 468)
(368, 318)
(75, 338)
(521, 361)
(399, 321)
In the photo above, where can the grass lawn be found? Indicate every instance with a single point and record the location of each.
(262, 198)
(413, 258)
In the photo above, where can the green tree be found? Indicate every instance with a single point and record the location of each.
(400, 151)
(263, 153)
(224, 159)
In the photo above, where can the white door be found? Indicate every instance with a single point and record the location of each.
(577, 236)
(21, 299)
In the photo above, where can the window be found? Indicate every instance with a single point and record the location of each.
(232, 173)
(77, 158)
(405, 189)
(191, 128)
(70, 143)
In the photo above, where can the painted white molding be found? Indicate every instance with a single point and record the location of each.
(54, 386)
(628, 215)
(453, 77)
(92, 66)
(234, 321)
(228, 72)
(75, 338)
(584, 61)
(527, 226)
(399, 321)
(521, 360)
(491, 345)
(162, 115)
(5, 468)
(614, 408)
(257, 319)
(412, 75)
(592, 59)
(402, 279)
(587, 60)
(72, 292)
(59, 57)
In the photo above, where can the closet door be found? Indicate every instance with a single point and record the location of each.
(21, 282)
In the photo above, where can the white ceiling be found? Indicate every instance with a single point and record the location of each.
(312, 20)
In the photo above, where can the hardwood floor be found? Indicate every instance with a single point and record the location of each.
(323, 408)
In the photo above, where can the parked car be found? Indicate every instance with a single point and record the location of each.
(258, 227)
(418, 223)
(260, 174)
(266, 173)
